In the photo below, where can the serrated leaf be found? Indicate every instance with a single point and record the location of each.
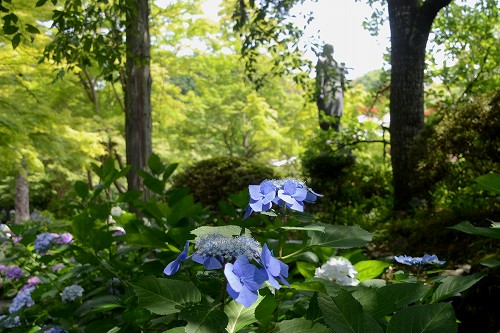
(342, 313)
(265, 309)
(239, 316)
(227, 230)
(203, 318)
(452, 285)
(165, 296)
(403, 294)
(428, 318)
(490, 182)
(299, 325)
(370, 269)
(468, 228)
(311, 227)
(374, 303)
(339, 236)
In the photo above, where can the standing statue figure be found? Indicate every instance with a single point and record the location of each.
(329, 94)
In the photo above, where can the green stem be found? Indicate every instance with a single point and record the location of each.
(294, 253)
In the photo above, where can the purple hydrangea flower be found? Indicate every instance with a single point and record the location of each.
(71, 293)
(274, 268)
(426, 259)
(57, 267)
(174, 266)
(22, 299)
(14, 272)
(3, 268)
(43, 241)
(64, 238)
(244, 280)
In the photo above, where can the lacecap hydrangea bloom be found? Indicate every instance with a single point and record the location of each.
(339, 270)
(71, 293)
(246, 264)
(22, 299)
(288, 192)
(416, 261)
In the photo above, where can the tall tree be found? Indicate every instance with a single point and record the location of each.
(410, 22)
(138, 123)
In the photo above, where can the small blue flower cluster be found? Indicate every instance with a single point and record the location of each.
(71, 293)
(288, 192)
(235, 254)
(426, 259)
(55, 329)
(22, 299)
(45, 240)
(9, 322)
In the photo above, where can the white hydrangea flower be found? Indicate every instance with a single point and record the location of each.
(339, 270)
(116, 211)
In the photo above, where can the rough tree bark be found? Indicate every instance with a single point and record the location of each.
(138, 123)
(410, 23)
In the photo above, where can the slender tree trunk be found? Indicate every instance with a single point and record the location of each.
(138, 123)
(410, 23)
(22, 201)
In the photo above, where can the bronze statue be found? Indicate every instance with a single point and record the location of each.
(329, 95)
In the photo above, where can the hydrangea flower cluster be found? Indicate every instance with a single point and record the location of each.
(9, 322)
(339, 270)
(416, 261)
(288, 192)
(45, 240)
(236, 255)
(71, 293)
(22, 299)
(14, 272)
(55, 329)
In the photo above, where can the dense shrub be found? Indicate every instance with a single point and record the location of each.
(214, 179)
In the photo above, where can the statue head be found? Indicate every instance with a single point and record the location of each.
(327, 50)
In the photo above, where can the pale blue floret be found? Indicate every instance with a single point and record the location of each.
(22, 299)
(55, 329)
(9, 322)
(71, 293)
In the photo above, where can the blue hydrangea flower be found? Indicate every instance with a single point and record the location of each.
(9, 322)
(426, 259)
(274, 268)
(43, 241)
(293, 194)
(22, 299)
(174, 266)
(14, 272)
(288, 191)
(244, 280)
(261, 197)
(71, 293)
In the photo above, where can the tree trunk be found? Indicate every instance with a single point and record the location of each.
(22, 201)
(410, 24)
(138, 123)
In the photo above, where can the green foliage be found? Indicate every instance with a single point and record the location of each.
(215, 179)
